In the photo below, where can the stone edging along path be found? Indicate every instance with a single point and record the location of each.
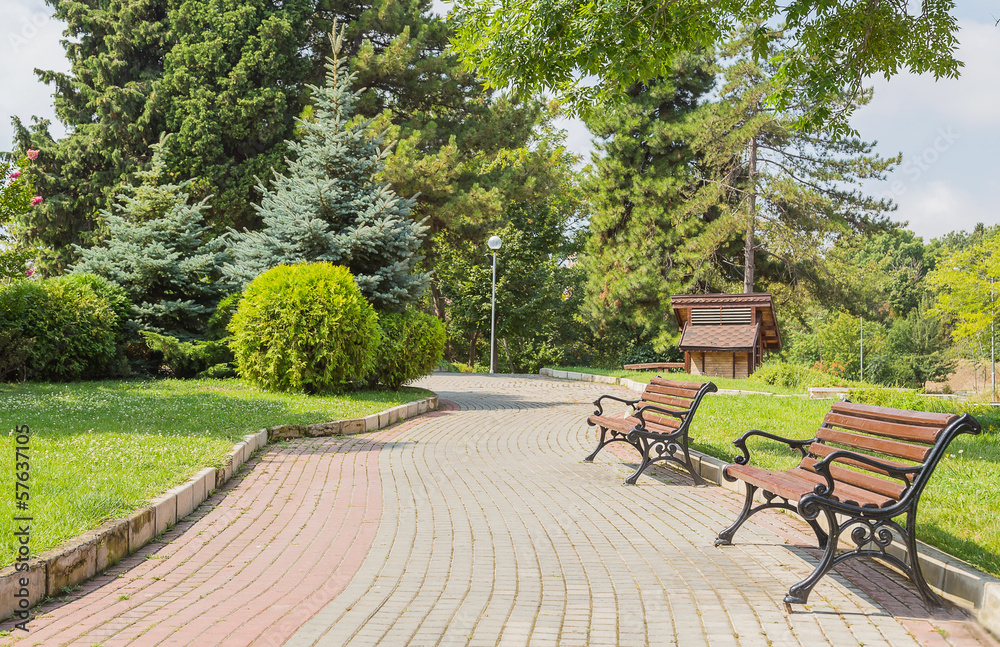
(92, 552)
(957, 580)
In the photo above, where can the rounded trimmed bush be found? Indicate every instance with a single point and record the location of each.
(304, 328)
(76, 324)
(412, 345)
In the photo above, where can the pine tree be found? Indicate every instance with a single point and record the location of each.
(787, 193)
(230, 91)
(158, 250)
(643, 245)
(330, 207)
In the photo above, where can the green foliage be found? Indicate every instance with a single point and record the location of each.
(15, 350)
(331, 208)
(76, 324)
(304, 328)
(880, 275)
(536, 294)
(840, 343)
(412, 345)
(221, 371)
(16, 194)
(644, 245)
(783, 193)
(561, 46)
(218, 323)
(966, 281)
(793, 376)
(188, 359)
(156, 249)
(230, 90)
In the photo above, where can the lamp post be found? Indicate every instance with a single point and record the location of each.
(493, 243)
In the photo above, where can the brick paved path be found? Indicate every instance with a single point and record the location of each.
(479, 525)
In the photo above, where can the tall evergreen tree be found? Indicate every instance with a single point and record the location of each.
(464, 152)
(643, 245)
(224, 77)
(788, 193)
(116, 51)
(330, 207)
(158, 249)
(230, 91)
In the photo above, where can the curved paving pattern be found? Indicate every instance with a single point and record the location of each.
(479, 525)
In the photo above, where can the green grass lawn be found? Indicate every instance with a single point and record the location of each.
(959, 510)
(100, 450)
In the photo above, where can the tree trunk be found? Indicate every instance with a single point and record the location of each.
(472, 347)
(437, 300)
(748, 258)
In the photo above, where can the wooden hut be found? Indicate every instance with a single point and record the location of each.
(725, 335)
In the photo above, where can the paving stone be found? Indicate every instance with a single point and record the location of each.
(478, 524)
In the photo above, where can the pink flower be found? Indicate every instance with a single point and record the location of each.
(15, 175)
(30, 272)
(35, 200)
(32, 154)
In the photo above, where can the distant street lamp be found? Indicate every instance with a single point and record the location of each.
(493, 243)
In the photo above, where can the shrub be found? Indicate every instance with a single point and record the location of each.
(304, 328)
(14, 353)
(219, 321)
(218, 372)
(412, 344)
(186, 358)
(76, 324)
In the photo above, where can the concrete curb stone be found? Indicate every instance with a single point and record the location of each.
(11, 585)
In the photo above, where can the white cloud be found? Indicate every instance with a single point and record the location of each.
(936, 208)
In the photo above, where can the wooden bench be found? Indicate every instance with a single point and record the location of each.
(655, 366)
(866, 466)
(657, 425)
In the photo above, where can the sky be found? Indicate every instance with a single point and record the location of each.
(948, 131)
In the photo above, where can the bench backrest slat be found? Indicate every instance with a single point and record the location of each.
(822, 451)
(895, 448)
(661, 389)
(670, 401)
(924, 418)
(913, 433)
(866, 481)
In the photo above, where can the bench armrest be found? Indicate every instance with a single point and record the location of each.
(741, 444)
(823, 469)
(600, 407)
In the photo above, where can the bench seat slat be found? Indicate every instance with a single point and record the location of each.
(627, 423)
(914, 433)
(925, 418)
(885, 487)
(795, 483)
(881, 445)
(618, 423)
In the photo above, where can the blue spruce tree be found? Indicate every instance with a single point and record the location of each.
(330, 207)
(157, 249)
